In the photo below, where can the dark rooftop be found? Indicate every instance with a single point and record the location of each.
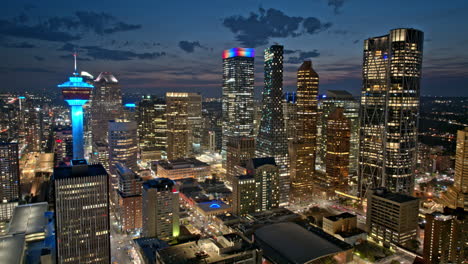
(89, 170)
(396, 197)
(181, 163)
(340, 216)
(258, 162)
(159, 184)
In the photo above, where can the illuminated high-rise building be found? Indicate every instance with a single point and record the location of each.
(76, 93)
(238, 93)
(178, 129)
(267, 182)
(130, 201)
(446, 237)
(123, 146)
(389, 110)
(106, 105)
(326, 105)
(243, 194)
(290, 114)
(195, 121)
(239, 151)
(152, 127)
(9, 179)
(160, 209)
(302, 148)
(81, 195)
(272, 140)
(337, 158)
(457, 195)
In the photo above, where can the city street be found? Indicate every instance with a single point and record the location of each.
(122, 245)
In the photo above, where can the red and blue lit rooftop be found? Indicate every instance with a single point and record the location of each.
(239, 52)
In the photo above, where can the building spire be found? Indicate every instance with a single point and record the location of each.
(74, 57)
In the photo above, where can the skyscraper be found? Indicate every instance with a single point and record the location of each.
(457, 195)
(445, 237)
(238, 93)
(123, 146)
(337, 159)
(267, 182)
(106, 105)
(152, 126)
(160, 209)
(9, 179)
(239, 151)
(178, 129)
(243, 195)
(290, 114)
(82, 213)
(272, 140)
(389, 110)
(130, 201)
(326, 105)
(195, 121)
(303, 147)
(76, 93)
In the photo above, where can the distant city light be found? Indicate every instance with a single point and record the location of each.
(130, 105)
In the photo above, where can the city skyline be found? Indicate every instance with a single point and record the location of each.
(148, 57)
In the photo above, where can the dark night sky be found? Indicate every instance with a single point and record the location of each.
(155, 46)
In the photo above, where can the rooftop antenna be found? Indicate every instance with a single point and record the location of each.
(74, 57)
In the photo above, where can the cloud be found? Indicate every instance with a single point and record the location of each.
(302, 55)
(256, 29)
(20, 45)
(96, 52)
(38, 58)
(189, 47)
(59, 28)
(78, 58)
(25, 69)
(336, 4)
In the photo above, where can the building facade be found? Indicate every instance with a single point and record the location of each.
(272, 140)
(178, 129)
(238, 93)
(389, 110)
(152, 126)
(239, 151)
(243, 195)
(392, 218)
(123, 144)
(9, 179)
(81, 193)
(129, 198)
(160, 209)
(303, 147)
(267, 182)
(183, 168)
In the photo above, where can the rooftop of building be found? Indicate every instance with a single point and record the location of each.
(213, 205)
(340, 216)
(159, 184)
(79, 171)
(351, 233)
(106, 77)
(339, 94)
(392, 196)
(149, 246)
(182, 163)
(258, 162)
(208, 250)
(11, 249)
(28, 219)
(297, 244)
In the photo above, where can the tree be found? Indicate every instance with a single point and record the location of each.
(394, 261)
(413, 244)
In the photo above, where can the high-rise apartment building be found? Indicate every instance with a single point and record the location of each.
(106, 105)
(160, 209)
(272, 140)
(239, 151)
(9, 179)
(81, 193)
(267, 181)
(326, 105)
(302, 148)
(238, 93)
(178, 128)
(392, 218)
(338, 145)
(457, 195)
(129, 199)
(243, 195)
(152, 127)
(290, 114)
(123, 146)
(446, 237)
(195, 121)
(389, 110)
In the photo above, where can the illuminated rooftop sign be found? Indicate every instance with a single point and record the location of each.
(238, 52)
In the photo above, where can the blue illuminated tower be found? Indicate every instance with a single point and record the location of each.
(76, 93)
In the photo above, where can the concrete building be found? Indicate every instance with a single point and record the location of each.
(160, 209)
(446, 237)
(344, 227)
(266, 174)
(178, 128)
(9, 179)
(229, 248)
(183, 168)
(243, 195)
(129, 198)
(392, 218)
(123, 144)
(239, 150)
(81, 194)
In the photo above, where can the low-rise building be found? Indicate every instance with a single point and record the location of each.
(183, 168)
